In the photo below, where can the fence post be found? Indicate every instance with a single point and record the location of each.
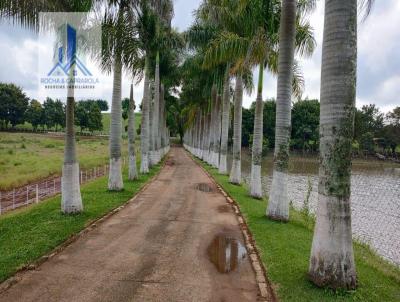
(37, 193)
(14, 198)
(86, 175)
(81, 177)
(27, 194)
(54, 186)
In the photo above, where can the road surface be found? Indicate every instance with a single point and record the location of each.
(177, 241)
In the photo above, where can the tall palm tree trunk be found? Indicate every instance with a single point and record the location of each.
(144, 134)
(131, 137)
(151, 125)
(255, 177)
(161, 121)
(156, 116)
(235, 176)
(223, 165)
(332, 260)
(115, 175)
(217, 141)
(213, 124)
(71, 200)
(278, 204)
(206, 146)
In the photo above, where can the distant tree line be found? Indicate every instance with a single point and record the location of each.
(16, 109)
(374, 131)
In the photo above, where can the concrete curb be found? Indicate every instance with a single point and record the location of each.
(6, 284)
(265, 287)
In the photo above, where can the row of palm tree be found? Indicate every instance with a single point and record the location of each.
(240, 35)
(227, 41)
(128, 44)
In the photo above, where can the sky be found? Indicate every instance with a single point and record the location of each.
(378, 78)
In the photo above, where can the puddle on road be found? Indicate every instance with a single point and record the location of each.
(170, 162)
(224, 208)
(204, 187)
(226, 253)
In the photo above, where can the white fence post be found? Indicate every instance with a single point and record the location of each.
(37, 193)
(81, 177)
(27, 194)
(54, 186)
(13, 198)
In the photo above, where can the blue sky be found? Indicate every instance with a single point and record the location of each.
(378, 59)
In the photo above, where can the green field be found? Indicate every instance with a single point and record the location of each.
(29, 233)
(27, 157)
(285, 251)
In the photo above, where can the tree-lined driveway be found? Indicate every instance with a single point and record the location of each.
(177, 241)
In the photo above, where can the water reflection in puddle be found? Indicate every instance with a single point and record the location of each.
(204, 187)
(226, 253)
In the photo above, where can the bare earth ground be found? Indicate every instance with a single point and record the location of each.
(155, 249)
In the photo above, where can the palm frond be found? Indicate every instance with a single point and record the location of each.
(226, 47)
(304, 40)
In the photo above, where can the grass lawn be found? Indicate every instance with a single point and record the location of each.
(31, 232)
(285, 251)
(25, 157)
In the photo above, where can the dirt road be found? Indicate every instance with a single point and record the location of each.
(177, 241)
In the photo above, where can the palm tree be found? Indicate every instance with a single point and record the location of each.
(332, 259)
(235, 176)
(146, 28)
(26, 13)
(131, 137)
(144, 133)
(222, 168)
(255, 181)
(278, 203)
(151, 120)
(118, 34)
(115, 175)
(156, 117)
(164, 12)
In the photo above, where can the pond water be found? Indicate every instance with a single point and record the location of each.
(375, 197)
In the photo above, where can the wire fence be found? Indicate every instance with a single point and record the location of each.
(43, 189)
(375, 205)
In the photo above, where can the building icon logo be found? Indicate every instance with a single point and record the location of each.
(68, 61)
(66, 55)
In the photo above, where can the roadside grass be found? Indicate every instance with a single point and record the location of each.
(29, 233)
(27, 157)
(285, 251)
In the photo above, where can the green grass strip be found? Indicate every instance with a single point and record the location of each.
(285, 250)
(31, 232)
